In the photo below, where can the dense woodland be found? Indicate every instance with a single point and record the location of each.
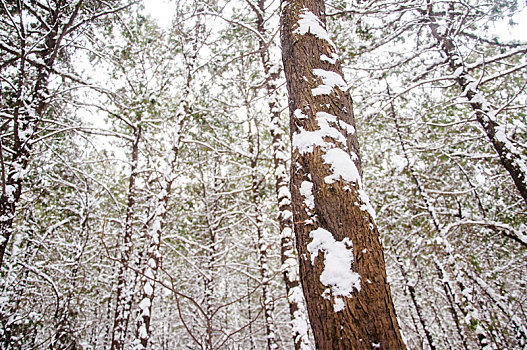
(153, 177)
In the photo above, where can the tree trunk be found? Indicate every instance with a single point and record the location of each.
(341, 259)
(123, 303)
(29, 109)
(508, 151)
(297, 309)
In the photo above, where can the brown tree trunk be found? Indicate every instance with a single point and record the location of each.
(341, 259)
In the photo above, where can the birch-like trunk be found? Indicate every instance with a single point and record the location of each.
(297, 309)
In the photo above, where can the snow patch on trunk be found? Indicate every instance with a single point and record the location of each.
(337, 275)
(309, 23)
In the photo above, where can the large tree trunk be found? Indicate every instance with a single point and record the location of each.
(341, 259)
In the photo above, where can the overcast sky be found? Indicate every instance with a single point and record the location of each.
(162, 10)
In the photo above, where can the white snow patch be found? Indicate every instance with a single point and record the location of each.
(342, 166)
(298, 113)
(333, 59)
(305, 140)
(329, 81)
(338, 258)
(306, 190)
(309, 23)
(338, 305)
(348, 127)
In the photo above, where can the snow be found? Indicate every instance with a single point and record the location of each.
(326, 117)
(286, 232)
(283, 192)
(298, 113)
(337, 275)
(309, 23)
(148, 289)
(144, 305)
(342, 166)
(321, 90)
(348, 127)
(142, 332)
(306, 189)
(299, 320)
(286, 214)
(10, 193)
(330, 80)
(305, 140)
(332, 60)
(338, 305)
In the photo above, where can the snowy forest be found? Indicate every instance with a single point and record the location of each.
(263, 174)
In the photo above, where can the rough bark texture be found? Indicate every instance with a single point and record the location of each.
(366, 319)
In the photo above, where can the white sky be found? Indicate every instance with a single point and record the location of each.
(517, 32)
(162, 10)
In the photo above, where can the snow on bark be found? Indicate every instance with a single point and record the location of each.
(331, 60)
(309, 23)
(339, 306)
(330, 80)
(306, 190)
(337, 275)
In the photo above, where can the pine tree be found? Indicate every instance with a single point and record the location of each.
(341, 259)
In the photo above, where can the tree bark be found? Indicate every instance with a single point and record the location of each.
(342, 265)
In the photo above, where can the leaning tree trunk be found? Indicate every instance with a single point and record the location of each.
(509, 152)
(341, 259)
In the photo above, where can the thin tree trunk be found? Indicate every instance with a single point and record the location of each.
(153, 264)
(28, 110)
(512, 160)
(419, 310)
(297, 309)
(342, 265)
(124, 293)
(261, 244)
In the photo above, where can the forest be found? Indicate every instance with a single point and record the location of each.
(263, 174)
